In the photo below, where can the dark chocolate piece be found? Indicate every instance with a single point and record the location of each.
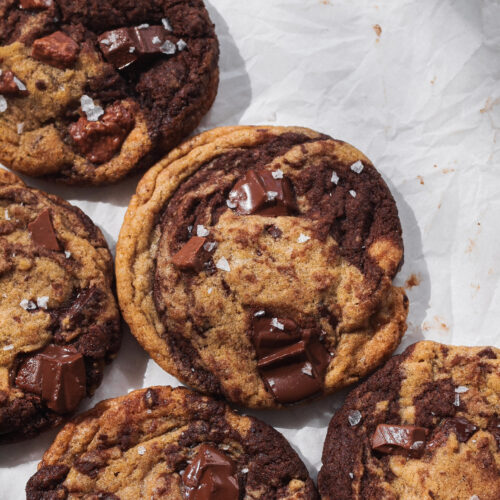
(258, 192)
(100, 140)
(274, 231)
(268, 336)
(57, 374)
(42, 232)
(58, 50)
(11, 85)
(35, 4)
(407, 439)
(210, 476)
(192, 256)
(459, 426)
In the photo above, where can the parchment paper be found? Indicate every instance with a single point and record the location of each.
(413, 84)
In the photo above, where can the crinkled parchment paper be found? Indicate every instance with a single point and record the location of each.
(413, 84)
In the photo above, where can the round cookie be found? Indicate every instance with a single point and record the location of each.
(256, 264)
(426, 426)
(60, 322)
(90, 91)
(169, 443)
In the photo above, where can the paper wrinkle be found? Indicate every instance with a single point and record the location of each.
(421, 101)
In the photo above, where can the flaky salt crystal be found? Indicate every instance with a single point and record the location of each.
(352, 193)
(223, 264)
(335, 178)
(354, 417)
(181, 45)
(307, 369)
(141, 450)
(260, 313)
(230, 204)
(6, 214)
(8, 347)
(166, 24)
(92, 111)
(277, 324)
(28, 305)
(20, 128)
(3, 104)
(67, 254)
(20, 84)
(277, 174)
(357, 167)
(156, 40)
(42, 302)
(303, 238)
(202, 231)
(168, 47)
(271, 195)
(461, 389)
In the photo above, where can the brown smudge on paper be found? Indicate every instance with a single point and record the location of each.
(437, 323)
(377, 29)
(412, 281)
(421, 179)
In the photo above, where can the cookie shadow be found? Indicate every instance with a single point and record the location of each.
(235, 92)
(414, 275)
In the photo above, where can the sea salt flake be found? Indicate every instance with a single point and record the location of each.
(351, 475)
(141, 450)
(3, 104)
(181, 45)
(335, 178)
(168, 47)
(131, 50)
(307, 369)
(20, 84)
(209, 291)
(230, 204)
(303, 238)
(92, 111)
(156, 40)
(277, 174)
(166, 24)
(354, 417)
(28, 305)
(277, 324)
(352, 193)
(417, 445)
(461, 389)
(202, 231)
(143, 26)
(224, 447)
(271, 195)
(8, 347)
(209, 246)
(6, 214)
(260, 313)
(20, 128)
(457, 400)
(357, 167)
(67, 254)
(474, 497)
(223, 264)
(42, 302)
(244, 470)
(149, 411)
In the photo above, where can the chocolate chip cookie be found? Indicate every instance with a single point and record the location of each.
(426, 426)
(90, 91)
(60, 321)
(169, 443)
(257, 264)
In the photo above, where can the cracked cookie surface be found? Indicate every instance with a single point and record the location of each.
(453, 394)
(142, 446)
(264, 304)
(60, 321)
(92, 91)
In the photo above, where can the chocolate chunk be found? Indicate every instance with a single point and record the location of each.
(408, 439)
(42, 232)
(58, 50)
(274, 231)
(258, 192)
(83, 309)
(316, 352)
(211, 476)
(192, 256)
(35, 4)
(459, 426)
(267, 336)
(118, 47)
(100, 140)
(57, 374)
(11, 85)
(124, 46)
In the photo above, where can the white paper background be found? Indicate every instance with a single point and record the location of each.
(422, 101)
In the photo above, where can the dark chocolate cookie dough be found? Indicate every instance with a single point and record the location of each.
(59, 318)
(169, 443)
(90, 91)
(426, 426)
(257, 264)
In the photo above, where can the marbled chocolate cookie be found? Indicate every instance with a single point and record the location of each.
(426, 426)
(256, 264)
(89, 91)
(59, 319)
(169, 443)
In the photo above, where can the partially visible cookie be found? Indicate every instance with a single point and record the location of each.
(59, 318)
(426, 426)
(90, 91)
(256, 263)
(169, 443)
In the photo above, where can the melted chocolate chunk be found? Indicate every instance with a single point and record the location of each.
(124, 46)
(58, 50)
(57, 374)
(42, 232)
(11, 85)
(406, 439)
(100, 140)
(459, 426)
(211, 476)
(35, 4)
(258, 192)
(272, 333)
(192, 256)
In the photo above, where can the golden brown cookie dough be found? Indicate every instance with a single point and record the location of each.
(426, 426)
(73, 109)
(169, 443)
(60, 322)
(309, 289)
